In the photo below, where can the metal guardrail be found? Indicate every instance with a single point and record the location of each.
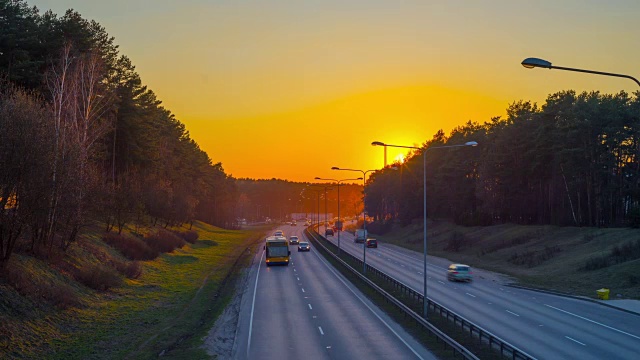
(503, 347)
(447, 341)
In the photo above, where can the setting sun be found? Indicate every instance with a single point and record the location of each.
(399, 159)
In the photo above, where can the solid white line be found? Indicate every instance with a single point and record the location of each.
(302, 289)
(310, 308)
(368, 307)
(253, 304)
(583, 344)
(512, 313)
(470, 295)
(595, 322)
(321, 332)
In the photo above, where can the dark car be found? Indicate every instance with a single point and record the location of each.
(328, 232)
(372, 243)
(293, 240)
(304, 246)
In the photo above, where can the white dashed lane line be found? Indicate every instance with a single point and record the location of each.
(594, 322)
(321, 332)
(302, 289)
(470, 295)
(440, 282)
(512, 313)
(310, 308)
(574, 340)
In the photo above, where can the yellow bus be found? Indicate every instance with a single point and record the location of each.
(277, 250)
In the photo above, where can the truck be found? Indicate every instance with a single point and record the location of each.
(360, 236)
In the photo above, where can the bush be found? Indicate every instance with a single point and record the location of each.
(164, 241)
(456, 241)
(188, 236)
(132, 270)
(98, 277)
(596, 263)
(131, 247)
(58, 294)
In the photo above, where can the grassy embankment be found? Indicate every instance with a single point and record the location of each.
(571, 260)
(169, 307)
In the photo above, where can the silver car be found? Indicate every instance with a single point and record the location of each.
(459, 272)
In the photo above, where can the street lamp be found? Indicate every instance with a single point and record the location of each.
(424, 182)
(364, 218)
(327, 187)
(531, 63)
(339, 219)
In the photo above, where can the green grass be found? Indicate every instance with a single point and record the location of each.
(170, 307)
(547, 257)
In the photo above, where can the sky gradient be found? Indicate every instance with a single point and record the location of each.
(287, 89)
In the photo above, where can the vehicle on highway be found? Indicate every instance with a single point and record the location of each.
(372, 243)
(304, 246)
(293, 240)
(459, 272)
(278, 233)
(294, 223)
(328, 232)
(360, 236)
(277, 251)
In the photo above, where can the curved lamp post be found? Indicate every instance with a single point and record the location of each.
(364, 210)
(424, 181)
(338, 182)
(531, 63)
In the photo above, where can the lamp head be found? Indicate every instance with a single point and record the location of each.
(335, 168)
(378, 143)
(317, 178)
(359, 178)
(471, 143)
(531, 63)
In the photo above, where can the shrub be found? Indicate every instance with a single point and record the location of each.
(58, 294)
(188, 236)
(596, 263)
(132, 270)
(98, 277)
(456, 241)
(164, 241)
(131, 247)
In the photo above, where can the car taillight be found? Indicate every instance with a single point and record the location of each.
(455, 272)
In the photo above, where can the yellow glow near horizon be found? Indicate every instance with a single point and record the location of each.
(289, 89)
(399, 159)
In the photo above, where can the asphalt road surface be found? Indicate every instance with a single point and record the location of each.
(308, 311)
(543, 325)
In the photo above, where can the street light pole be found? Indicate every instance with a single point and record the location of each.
(325, 204)
(364, 216)
(531, 63)
(425, 304)
(339, 219)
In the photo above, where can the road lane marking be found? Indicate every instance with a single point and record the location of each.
(419, 273)
(310, 308)
(583, 344)
(470, 295)
(321, 332)
(253, 304)
(511, 312)
(298, 278)
(595, 322)
(302, 289)
(440, 282)
(368, 307)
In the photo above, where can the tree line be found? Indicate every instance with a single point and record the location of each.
(277, 199)
(82, 139)
(571, 162)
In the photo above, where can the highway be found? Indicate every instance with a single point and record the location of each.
(543, 325)
(308, 311)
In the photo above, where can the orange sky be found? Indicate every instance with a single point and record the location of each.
(289, 88)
